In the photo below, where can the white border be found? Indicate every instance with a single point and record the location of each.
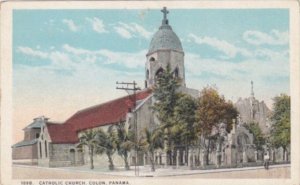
(6, 76)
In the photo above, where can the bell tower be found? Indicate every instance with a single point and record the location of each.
(165, 49)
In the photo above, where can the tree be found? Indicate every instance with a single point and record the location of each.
(259, 137)
(165, 94)
(183, 132)
(88, 139)
(125, 142)
(212, 110)
(152, 141)
(281, 128)
(106, 143)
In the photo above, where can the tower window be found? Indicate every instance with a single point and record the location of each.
(159, 71)
(37, 135)
(176, 73)
(152, 59)
(147, 74)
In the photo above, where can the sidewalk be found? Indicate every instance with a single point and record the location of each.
(146, 172)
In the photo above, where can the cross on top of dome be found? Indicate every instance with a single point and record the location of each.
(165, 12)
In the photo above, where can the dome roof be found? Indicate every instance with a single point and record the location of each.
(165, 38)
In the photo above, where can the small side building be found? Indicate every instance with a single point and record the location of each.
(25, 152)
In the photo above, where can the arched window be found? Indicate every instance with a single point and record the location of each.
(176, 73)
(152, 59)
(46, 151)
(147, 74)
(40, 147)
(159, 71)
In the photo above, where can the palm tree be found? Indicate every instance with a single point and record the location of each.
(152, 141)
(124, 142)
(88, 139)
(107, 143)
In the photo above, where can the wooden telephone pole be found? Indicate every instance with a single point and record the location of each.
(132, 86)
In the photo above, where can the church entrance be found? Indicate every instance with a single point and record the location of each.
(72, 156)
(242, 143)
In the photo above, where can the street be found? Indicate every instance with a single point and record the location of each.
(30, 172)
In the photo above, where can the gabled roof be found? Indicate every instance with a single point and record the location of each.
(37, 123)
(111, 112)
(62, 133)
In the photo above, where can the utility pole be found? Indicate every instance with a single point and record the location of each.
(132, 86)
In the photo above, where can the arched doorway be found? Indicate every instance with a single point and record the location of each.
(72, 156)
(242, 143)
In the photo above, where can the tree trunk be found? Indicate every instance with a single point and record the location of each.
(285, 156)
(126, 162)
(111, 163)
(92, 157)
(207, 153)
(152, 161)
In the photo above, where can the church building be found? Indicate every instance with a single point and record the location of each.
(55, 144)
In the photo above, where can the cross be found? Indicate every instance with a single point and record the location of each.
(165, 12)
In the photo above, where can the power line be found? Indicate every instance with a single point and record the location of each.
(133, 87)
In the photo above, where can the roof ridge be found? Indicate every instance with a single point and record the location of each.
(101, 104)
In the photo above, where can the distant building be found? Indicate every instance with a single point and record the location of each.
(26, 151)
(253, 110)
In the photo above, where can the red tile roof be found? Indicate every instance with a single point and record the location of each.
(62, 133)
(107, 113)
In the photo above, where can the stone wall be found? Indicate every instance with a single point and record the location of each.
(102, 160)
(25, 152)
(64, 155)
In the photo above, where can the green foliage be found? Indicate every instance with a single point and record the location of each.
(281, 128)
(213, 109)
(152, 140)
(166, 96)
(183, 130)
(259, 137)
(125, 142)
(106, 143)
(88, 139)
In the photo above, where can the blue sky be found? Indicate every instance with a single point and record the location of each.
(70, 59)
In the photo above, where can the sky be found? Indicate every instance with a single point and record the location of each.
(67, 60)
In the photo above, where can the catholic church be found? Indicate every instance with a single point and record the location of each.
(53, 144)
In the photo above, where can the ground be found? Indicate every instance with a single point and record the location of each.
(31, 172)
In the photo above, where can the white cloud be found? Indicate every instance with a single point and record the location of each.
(71, 25)
(276, 66)
(123, 32)
(97, 24)
(76, 51)
(71, 57)
(31, 52)
(61, 60)
(275, 37)
(228, 49)
(132, 30)
(104, 56)
(130, 60)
